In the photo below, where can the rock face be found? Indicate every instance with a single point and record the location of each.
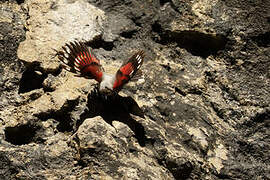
(201, 111)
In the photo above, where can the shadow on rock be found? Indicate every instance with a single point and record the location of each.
(115, 108)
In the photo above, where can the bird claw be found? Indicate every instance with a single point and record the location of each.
(103, 95)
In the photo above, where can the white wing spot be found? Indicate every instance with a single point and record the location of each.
(80, 58)
(140, 60)
(65, 61)
(139, 66)
(68, 50)
(66, 54)
(77, 60)
(76, 68)
(131, 72)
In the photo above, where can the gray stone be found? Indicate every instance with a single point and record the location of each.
(51, 24)
(201, 110)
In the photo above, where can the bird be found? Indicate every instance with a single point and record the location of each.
(78, 58)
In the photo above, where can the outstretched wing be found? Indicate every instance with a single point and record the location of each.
(80, 60)
(128, 70)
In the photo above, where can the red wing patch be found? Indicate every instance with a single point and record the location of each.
(79, 59)
(128, 70)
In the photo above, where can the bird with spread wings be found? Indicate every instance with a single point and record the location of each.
(78, 58)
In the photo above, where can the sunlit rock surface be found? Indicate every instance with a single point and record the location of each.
(201, 110)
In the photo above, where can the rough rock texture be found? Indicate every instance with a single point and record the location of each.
(201, 111)
(50, 24)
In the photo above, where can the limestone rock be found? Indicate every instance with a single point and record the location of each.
(201, 110)
(53, 23)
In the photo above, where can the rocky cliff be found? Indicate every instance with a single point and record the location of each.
(201, 110)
